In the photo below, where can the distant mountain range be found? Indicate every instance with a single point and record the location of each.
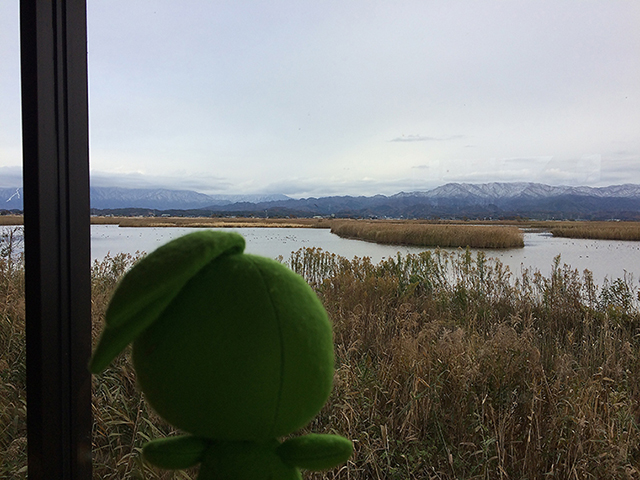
(163, 199)
(459, 200)
(453, 200)
(154, 199)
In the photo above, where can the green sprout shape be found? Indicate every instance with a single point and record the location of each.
(234, 349)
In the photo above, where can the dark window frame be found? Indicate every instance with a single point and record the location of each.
(53, 43)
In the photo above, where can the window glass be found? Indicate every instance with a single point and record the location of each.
(198, 105)
(13, 434)
(10, 128)
(467, 373)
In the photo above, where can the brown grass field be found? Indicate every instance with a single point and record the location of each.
(430, 234)
(209, 222)
(447, 367)
(11, 220)
(398, 232)
(206, 222)
(598, 230)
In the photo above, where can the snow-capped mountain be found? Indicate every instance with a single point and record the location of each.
(498, 191)
(489, 200)
(11, 198)
(163, 199)
(453, 200)
(115, 197)
(157, 198)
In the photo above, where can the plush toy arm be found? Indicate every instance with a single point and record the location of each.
(315, 452)
(175, 453)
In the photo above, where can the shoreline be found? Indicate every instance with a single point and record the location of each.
(208, 222)
(595, 230)
(191, 222)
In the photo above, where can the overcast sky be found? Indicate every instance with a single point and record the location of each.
(351, 97)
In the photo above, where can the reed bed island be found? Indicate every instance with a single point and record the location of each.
(399, 232)
(597, 230)
(430, 234)
(448, 366)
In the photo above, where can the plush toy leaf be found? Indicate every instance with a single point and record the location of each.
(174, 453)
(315, 451)
(150, 286)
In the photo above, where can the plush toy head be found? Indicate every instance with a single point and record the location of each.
(226, 346)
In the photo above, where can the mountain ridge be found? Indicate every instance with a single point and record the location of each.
(525, 189)
(459, 200)
(11, 198)
(452, 200)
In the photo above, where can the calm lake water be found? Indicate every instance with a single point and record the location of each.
(603, 257)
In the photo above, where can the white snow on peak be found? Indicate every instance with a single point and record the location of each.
(499, 190)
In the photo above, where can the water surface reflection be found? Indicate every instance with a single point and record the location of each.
(605, 258)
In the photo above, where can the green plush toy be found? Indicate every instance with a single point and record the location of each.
(234, 349)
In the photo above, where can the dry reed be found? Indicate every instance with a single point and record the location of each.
(11, 220)
(13, 375)
(212, 222)
(430, 235)
(598, 230)
(447, 366)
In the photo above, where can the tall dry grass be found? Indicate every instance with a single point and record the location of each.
(430, 235)
(448, 366)
(13, 376)
(212, 222)
(11, 220)
(122, 420)
(598, 230)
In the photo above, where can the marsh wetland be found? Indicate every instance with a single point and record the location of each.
(449, 365)
(604, 258)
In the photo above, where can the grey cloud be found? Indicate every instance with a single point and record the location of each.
(313, 187)
(618, 171)
(424, 138)
(626, 155)
(200, 183)
(10, 176)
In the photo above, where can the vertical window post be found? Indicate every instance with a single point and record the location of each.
(53, 41)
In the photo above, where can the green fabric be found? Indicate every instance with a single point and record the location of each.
(278, 361)
(175, 453)
(316, 452)
(234, 349)
(245, 461)
(306, 343)
(148, 288)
